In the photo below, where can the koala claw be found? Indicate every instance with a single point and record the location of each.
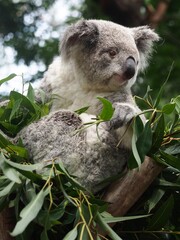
(122, 115)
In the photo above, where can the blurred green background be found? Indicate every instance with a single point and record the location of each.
(34, 39)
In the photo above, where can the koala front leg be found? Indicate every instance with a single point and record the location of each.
(123, 114)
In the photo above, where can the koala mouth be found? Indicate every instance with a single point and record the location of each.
(118, 79)
(128, 72)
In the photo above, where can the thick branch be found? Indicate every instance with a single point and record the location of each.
(122, 194)
(6, 224)
(157, 15)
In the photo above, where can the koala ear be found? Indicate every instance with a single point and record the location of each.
(144, 38)
(83, 33)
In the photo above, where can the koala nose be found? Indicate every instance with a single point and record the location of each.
(129, 68)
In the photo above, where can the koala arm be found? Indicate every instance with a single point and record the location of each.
(124, 109)
(123, 114)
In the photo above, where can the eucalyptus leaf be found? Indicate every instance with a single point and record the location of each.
(174, 149)
(11, 173)
(155, 198)
(8, 189)
(25, 167)
(164, 183)
(19, 151)
(44, 235)
(158, 134)
(168, 108)
(71, 235)
(4, 142)
(106, 228)
(107, 110)
(30, 212)
(14, 96)
(15, 108)
(161, 216)
(11, 76)
(141, 142)
(111, 219)
(82, 110)
(170, 160)
(159, 96)
(177, 101)
(30, 93)
(144, 142)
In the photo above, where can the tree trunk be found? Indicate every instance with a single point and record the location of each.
(6, 224)
(122, 194)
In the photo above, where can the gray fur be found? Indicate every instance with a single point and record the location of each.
(98, 58)
(56, 137)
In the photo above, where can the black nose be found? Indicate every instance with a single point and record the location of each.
(129, 68)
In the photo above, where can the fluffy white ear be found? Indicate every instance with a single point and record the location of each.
(144, 38)
(84, 33)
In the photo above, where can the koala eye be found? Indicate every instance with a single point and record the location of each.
(112, 53)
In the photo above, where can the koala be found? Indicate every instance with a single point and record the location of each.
(98, 58)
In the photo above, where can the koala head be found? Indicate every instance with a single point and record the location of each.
(106, 56)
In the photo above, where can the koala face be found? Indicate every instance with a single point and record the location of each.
(106, 56)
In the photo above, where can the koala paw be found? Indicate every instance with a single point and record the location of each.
(123, 114)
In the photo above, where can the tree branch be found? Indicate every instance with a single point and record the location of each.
(122, 194)
(157, 15)
(6, 224)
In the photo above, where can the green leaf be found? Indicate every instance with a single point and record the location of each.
(17, 150)
(44, 235)
(168, 108)
(158, 134)
(4, 142)
(72, 234)
(108, 218)
(141, 142)
(15, 108)
(83, 233)
(11, 76)
(177, 102)
(30, 93)
(14, 96)
(107, 110)
(8, 189)
(142, 103)
(159, 96)
(25, 167)
(154, 199)
(160, 218)
(82, 110)
(164, 183)
(144, 141)
(72, 180)
(174, 149)
(106, 228)
(148, 91)
(30, 212)
(9, 172)
(135, 159)
(170, 160)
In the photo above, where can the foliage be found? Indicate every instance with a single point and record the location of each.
(20, 23)
(52, 204)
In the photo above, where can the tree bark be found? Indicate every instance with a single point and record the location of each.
(122, 194)
(6, 224)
